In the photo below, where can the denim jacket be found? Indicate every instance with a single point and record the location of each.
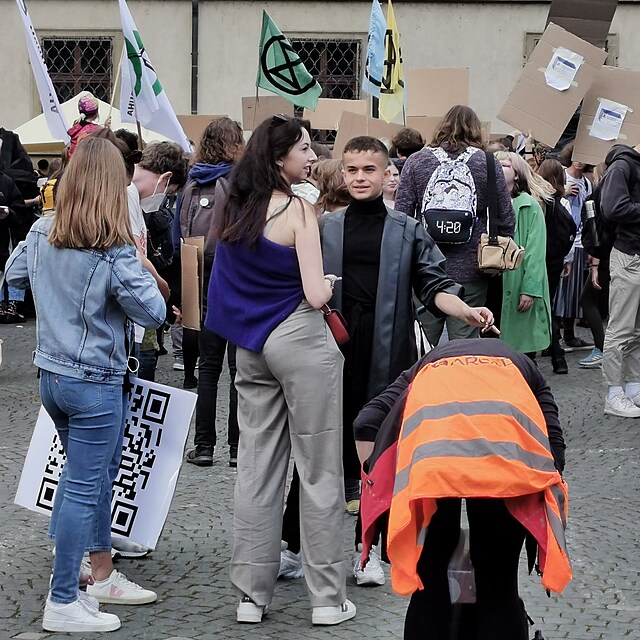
(86, 300)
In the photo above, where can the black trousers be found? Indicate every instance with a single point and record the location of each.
(495, 543)
(592, 301)
(212, 350)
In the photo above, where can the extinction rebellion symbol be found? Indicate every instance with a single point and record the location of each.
(283, 76)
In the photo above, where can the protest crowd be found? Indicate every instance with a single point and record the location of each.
(381, 308)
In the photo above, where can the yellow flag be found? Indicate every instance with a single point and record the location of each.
(392, 89)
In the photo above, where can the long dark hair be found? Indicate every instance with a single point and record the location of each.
(254, 179)
(553, 172)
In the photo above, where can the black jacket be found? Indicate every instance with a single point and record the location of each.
(620, 197)
(409, 262)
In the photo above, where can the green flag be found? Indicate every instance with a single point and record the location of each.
(281, 71)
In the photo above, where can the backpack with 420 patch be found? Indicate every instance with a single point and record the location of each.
(449, 203)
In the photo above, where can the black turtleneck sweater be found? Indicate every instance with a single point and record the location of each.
(363, 225)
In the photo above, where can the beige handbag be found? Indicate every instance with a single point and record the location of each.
(496, 253)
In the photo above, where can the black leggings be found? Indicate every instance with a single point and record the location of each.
(591, 301)
(495, 542)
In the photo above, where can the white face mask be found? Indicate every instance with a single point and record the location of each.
(154, 201)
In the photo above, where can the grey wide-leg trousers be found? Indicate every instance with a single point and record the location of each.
(290, 399)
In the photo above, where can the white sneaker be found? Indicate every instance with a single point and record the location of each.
(372, 574)
(621, 405)
(116, 589)
(290, 565)
(334, 615)
(249, 611)
(77, 617)
(123, 548)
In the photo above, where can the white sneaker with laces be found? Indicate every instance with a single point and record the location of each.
(90, 601)
(621, 405)
(372, 574)
(77, 617)
(127, 548)
(116, 589)
(290, 565)
(334, 615)
(249, 611)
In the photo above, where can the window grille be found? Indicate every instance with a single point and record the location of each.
(79, 64)
(336, 64)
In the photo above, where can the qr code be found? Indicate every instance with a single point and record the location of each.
(51, 476)
(143, 430)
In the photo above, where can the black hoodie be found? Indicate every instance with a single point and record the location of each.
(620, 197)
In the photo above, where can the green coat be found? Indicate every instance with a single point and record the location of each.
(529, 331)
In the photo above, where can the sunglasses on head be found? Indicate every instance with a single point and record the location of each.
(279, 118)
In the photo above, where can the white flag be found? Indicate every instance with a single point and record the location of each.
(142, 97)
(48, 98)
(374, 64)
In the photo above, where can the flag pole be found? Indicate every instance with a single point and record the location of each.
(117, 81)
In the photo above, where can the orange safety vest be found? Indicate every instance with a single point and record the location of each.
(472, 428)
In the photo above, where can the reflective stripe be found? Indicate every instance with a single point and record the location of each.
(556, 527)
(475, 408)
(422, 536)
(558, 494)
(477, 448)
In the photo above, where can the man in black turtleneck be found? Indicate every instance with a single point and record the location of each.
(383, 257)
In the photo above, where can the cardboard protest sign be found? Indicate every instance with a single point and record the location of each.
(559, 73)
(587, 19)
(194, 125)
(610, 115)
(155, 431)
(432, 92)
(328, 112)
(192, 254)
(355, 124)
(254, 111)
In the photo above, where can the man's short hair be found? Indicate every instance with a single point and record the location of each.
(408, 141)
(362, 144)
(161, 157)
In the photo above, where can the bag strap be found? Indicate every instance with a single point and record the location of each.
(492, 199)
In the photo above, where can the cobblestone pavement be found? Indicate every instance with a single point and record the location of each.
(189, 569)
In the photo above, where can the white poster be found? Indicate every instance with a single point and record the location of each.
(562, 68)
(156, 428)
(608, 120)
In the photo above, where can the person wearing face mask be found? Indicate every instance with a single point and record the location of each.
(161, 171)
(390, 185)
(266, 290)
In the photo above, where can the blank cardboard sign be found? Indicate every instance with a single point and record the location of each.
(535, 106)
(356, 124)
(432, 92)
(620, 86)
(329, 110)
(254, 111)
(192, 258)
(587, 19)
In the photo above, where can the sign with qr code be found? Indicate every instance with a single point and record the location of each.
(155, 432)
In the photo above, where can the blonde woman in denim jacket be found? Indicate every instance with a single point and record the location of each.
(89, 286)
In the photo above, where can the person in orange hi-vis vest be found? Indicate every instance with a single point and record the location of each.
(472, 419)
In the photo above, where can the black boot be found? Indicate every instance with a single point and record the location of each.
(559, 365)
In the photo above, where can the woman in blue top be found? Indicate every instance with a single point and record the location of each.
(266, 289)
(88, 286)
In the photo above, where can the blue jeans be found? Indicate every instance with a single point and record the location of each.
(89, 419)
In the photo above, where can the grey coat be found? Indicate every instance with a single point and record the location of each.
(409, 262)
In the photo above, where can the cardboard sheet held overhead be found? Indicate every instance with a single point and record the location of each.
(587, 19)
(432, 92)
(600, 119)
(356, 124)
(329, 110)
(254, 112)
(535, 104)
(192, 255)
(194, 125)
